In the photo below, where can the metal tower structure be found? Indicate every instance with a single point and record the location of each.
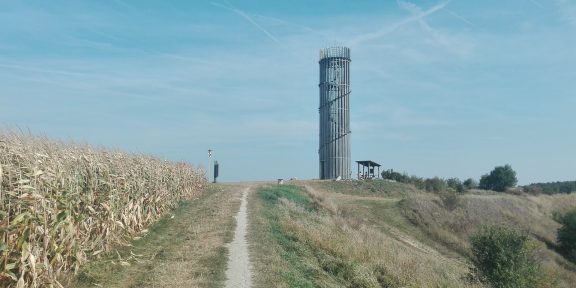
(334, 151)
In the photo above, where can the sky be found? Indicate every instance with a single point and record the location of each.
(439, 88)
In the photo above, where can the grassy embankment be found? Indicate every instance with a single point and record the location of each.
(307, 241)
(184, 249)
(452, 228)
(62, 204)
(382, 234)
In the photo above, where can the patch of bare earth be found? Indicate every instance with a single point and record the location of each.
(238, 274)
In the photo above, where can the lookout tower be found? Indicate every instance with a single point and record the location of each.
(334, 151)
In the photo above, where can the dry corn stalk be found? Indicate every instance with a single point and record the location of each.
(61, 202)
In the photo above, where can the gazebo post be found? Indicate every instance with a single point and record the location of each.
(371, 173)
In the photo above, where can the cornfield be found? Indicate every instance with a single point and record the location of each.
(62, 203)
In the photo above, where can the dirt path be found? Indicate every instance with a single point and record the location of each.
(238, 274)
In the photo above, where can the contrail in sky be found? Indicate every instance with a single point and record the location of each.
(458, 16)
(389, 29)
(247, 18)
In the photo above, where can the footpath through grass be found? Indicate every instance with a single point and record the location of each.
(184, 249)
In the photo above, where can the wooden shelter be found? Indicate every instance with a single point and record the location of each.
(368, 169)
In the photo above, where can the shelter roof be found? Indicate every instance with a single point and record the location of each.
(368, 163)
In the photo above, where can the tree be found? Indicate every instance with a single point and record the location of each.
(567, 235)
(393, 175)
(500, 179)
(455, 184)
(551, 188)
(435, 184)
(505, 258)
(470, 183)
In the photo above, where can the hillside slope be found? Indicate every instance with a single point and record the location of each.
(382, 234)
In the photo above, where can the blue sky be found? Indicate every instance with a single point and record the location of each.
(439, 88)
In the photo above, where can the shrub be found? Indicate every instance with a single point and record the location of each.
(567, 235)
(505, 258)
(470, 183)
(393, 175)
(455, 184)
(450, 199)
(566, 187)
(499, 179)
(435, 184)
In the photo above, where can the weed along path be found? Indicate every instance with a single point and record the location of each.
(238, 274)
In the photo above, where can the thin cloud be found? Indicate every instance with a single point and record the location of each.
(459, 17)
(197, 60)
(567, 10)
(387, 30)
(289, 24)
(42, 70)
(415, 10)
(450, 43)
(247, 18)
(536, 3)
(124, 4)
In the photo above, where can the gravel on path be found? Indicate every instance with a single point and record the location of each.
(238, 274)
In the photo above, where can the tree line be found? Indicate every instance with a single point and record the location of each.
(500, 179)
(565, 187)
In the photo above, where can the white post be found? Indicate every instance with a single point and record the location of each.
(209, 169)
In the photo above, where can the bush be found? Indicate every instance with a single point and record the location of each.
(499, 179)
(435, 184)
(470, 183)
(450, 200)
(455, 184)
(505, 258)
(393, 175)
(567, 235)
(566, 187)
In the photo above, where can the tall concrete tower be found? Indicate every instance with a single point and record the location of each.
(334, 110)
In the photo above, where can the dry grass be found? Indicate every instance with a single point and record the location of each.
(374, 187)
(427, 221)
(62, 203)
(382, 240)
(533, 214)
(317, 244)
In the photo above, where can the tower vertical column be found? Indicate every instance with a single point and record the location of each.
(334, 110)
